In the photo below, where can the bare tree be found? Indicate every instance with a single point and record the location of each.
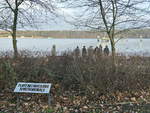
(15, 13)
(110, 16)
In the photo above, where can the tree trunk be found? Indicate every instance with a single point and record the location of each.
(113, 53)
(14, 28)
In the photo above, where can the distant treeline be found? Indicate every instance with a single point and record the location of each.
(145, 33)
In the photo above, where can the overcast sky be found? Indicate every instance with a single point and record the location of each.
(42, 19)
(54, 23)
(46, 21)
(60, 22)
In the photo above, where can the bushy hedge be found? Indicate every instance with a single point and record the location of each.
(132, 73)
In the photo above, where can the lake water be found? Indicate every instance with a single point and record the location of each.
(126, 46)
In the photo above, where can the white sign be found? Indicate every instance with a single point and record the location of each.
(23, 87)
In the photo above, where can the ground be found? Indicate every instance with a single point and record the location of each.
(76, 102)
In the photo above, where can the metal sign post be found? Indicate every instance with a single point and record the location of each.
(23, 87)
(18, 102)
(49, 99)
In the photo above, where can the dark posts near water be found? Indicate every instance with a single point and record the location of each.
(23, 87)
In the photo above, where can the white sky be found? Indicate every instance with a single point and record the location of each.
(57, 23)
(47, 22)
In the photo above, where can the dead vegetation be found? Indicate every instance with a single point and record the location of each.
(82, 85)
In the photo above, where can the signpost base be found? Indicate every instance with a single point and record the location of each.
(49, 99)
(18, 102)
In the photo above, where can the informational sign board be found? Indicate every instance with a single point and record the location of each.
(23, 87)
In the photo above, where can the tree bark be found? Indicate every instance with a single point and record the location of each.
(113, 53)
(14, 28)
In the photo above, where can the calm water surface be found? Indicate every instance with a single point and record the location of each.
(126, 46)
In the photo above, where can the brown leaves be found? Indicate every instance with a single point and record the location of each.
(74, 101)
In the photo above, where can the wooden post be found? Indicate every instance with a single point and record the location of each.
(49, 99)
(18, 102)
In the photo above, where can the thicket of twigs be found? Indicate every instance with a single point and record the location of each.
(88, 75)
(132, 73)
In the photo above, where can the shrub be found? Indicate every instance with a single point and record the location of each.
(90, 74)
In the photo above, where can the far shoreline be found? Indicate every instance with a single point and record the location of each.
(69, 38)
(141, 33)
